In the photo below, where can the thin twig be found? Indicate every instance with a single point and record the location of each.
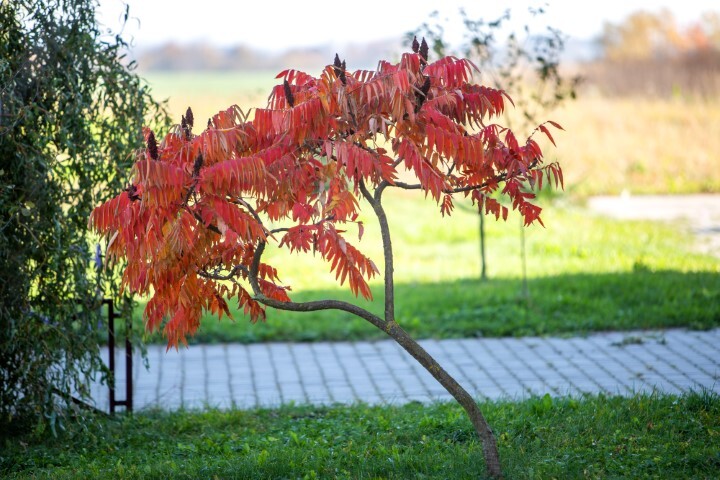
(229, 276)
(210, 226)
(496, 179)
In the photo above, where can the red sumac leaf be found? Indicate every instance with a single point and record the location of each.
(544, 129)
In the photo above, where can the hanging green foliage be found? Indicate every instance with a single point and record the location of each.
(71, 114)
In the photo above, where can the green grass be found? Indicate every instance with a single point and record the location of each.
(646, 436)
(572, 304)
(585, 273)
(210, 92)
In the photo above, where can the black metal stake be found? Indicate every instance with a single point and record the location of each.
(128, 402)
(128, 368)
(111, 351)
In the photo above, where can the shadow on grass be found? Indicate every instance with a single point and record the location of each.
(556, 305)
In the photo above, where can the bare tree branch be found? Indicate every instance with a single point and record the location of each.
(252, 211)
(329, 218)
(323, 305)
(217, 276)
(467, 188)
(305, 306)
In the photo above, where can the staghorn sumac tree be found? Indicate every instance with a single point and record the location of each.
(202, 208)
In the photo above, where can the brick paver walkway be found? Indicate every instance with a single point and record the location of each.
(243, 376)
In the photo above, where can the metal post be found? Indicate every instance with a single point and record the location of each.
(128, 402)
(128, 367)
(111, 351)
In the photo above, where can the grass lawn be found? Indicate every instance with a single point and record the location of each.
(646, 436)
(585, 273)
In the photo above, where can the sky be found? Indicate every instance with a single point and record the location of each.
(277, 25)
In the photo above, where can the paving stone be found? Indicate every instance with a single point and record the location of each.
(245, 376)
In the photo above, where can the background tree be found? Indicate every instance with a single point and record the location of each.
(71, 114)
(657, 35)
(649, 53)
(202, 209)
(524, 60)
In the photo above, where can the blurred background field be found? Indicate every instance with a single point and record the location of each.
(640, 145)
(645, 120)
(208, 92)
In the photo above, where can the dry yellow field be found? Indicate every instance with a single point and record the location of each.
(639, 145)
(609, 146)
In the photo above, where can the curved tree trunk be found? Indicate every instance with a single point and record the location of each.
(489, 445)
(490, 450)
(391, 328)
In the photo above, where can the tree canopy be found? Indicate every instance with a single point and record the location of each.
(191, 223)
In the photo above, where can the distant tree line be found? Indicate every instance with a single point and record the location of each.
(650, 53)
(646, 35)
(208, 57)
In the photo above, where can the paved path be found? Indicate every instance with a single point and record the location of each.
(243, 376)
(699, 213)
